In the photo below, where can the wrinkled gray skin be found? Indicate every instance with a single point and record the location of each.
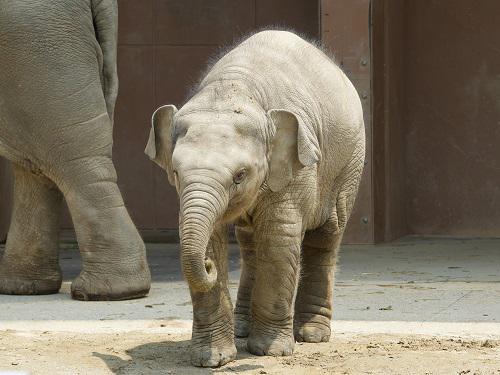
(273, 140)
(58, 86)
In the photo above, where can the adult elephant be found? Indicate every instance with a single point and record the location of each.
(58, 87)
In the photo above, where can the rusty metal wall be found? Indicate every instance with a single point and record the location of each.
(389, 126)
(452, 91)
(436, 84)
(345, 32)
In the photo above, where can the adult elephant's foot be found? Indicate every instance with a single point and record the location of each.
(265, 341)
(242, 323)
(19, 279)
(111, 285)
(317, 330)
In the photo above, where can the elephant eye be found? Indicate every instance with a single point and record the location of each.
(239, 176)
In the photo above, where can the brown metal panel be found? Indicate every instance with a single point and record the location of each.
(177, 69)
(452, 83)
(345, 32)
(299, 15)
(187, 22)
(133, 121)
(135, 21)
(388, 122)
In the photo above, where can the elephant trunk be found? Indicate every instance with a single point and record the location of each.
(201, 206)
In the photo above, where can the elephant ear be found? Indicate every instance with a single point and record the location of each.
(160, 147)
(293, 147)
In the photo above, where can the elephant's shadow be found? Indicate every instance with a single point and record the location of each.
(168, 357)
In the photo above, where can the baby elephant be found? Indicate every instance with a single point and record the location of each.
(273, 140)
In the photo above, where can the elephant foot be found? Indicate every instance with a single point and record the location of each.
(29, 283)
(213, 344)
(312, 332)
(242, 325)
(110, 286)
(213, 355)
(271, 343)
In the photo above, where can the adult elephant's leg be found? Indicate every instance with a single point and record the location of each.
(30, 264)
(113, 253)
(314, 302)
(242, 311)
(277, 269)
(212, 342)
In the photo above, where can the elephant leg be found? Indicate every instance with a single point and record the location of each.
(30, 264)
(242, 311)
(314, 301)
(212, 341)
(313, 304)
(113, 253)
(277, 269)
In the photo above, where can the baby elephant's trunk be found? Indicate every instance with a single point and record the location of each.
(201, 206)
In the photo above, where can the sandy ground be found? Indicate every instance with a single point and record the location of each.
(137, 353)
(415, 306)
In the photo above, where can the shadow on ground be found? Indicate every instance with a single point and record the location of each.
(168, 357)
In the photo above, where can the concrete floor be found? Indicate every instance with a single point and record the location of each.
(414, 285)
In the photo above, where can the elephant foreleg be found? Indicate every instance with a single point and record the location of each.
(30, 264)
(212, 342)
(242, 311)
(277, 270)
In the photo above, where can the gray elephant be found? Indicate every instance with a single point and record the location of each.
(272, 140)
(58, 86)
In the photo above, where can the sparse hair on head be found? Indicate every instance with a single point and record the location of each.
(224, 49)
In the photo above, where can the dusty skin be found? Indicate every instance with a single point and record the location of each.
(135, 353)
(277, 149)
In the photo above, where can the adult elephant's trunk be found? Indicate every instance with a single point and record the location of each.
(201, 206)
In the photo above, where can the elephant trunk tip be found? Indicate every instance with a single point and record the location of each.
(208, 279)
(211, 274)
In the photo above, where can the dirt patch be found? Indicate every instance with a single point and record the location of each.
(138, 353)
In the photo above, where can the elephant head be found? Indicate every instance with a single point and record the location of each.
(219, 162)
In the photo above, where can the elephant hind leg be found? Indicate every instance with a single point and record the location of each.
(30, 264)
(314, 301)
(113, 253)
